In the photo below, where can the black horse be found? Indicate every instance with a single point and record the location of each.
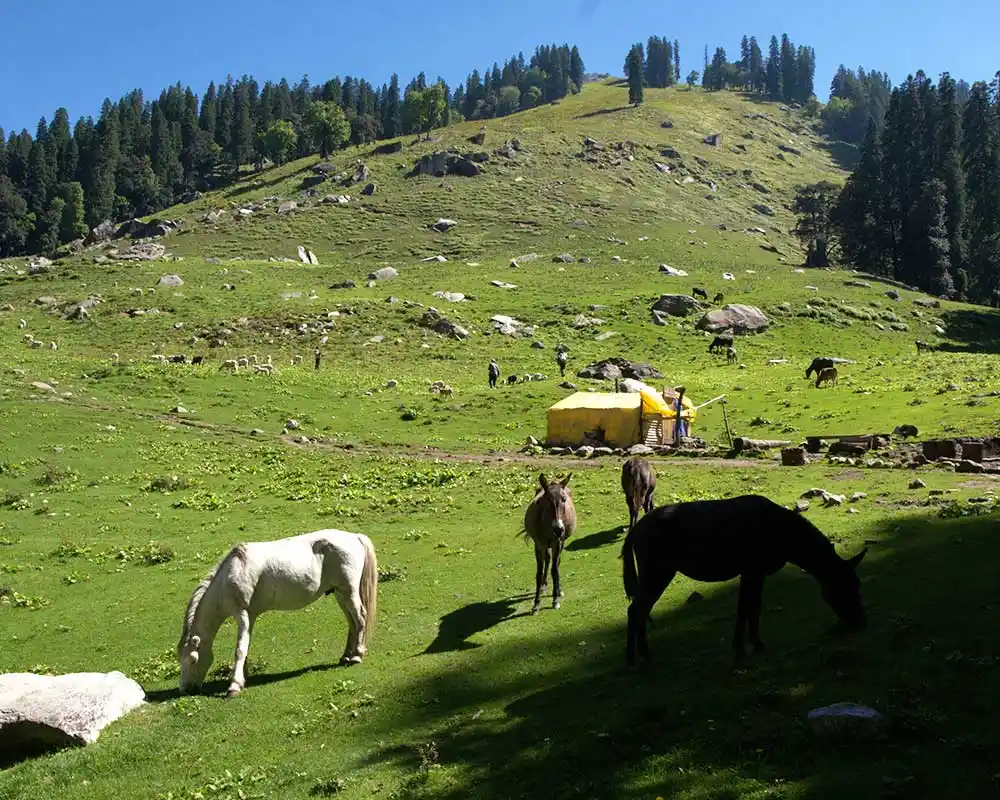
(818, 365)
(717, 540)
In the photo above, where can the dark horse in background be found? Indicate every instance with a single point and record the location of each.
(818, 365)
(749, 537)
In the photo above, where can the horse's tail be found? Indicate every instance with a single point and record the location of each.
(369, 584)
(629, 575)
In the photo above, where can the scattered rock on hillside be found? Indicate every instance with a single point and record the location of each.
(46, 300)
(916, 483)
(662, 167)
(659, 318)
(666, 268)
(303, 256)
(713, 139)
(563, 258)
(858, 283)
(615, 368)
(503, 285)
(150, 251)
(787, 148)
(451, 297)
(760, 187)
(527, 258)
(101, 233)
(170, 280)
(506, 326)
(336, 199)
(361, 173)
(669, 152)
(43, 387)
(40, 713)
(582, 321)
(383, 274)
(342, 285)
(287, 207)
(432, 319)
(927, 302)
(568, 385)
(762, 208)
(676, 305)
(370, 189)
(444, 225)
(737, 318)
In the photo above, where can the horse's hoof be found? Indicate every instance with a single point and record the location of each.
(233, 691)
(555, 604)
(534, 610)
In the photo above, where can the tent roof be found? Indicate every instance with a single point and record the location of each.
(606, 400)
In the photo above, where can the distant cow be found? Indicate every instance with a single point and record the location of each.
(717, 300)
(197, 359)
(720, 343)
(697, 291)
(818, 365)
(827, 375)
(638, 484)
(494, 373)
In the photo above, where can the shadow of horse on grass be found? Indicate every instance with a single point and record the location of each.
(458, 626)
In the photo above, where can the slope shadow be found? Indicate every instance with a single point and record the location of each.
(599, 539)
(577, 723)
(601, 111)
(456, 627)
(845, 154)
(977, 330)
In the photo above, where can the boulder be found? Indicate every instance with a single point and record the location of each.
(764, 209)
(303, 255)
(311, 181)
(669, 152)
(451, 297)
(384, 274)
(617, 368)
(342, 285)
(713, 139)
(525, 259)
(563, 258)
(325, 169)
(287, 207)
(677, 273)
(927, 302)
(892, 294)
(388, 149)
(787, 148)
(735, 317)
(370, 189)
(102, 233)
(846, 718)
(150, 251)
(676, 305)
(859, 284)
(793, 457)
(41, 713)
(361, 173)
(45, 300)
(640, 450)
(432, 319)
(170, 280)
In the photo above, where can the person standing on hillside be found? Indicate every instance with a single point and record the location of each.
(561, 358)
(318, 356)
(494, 373)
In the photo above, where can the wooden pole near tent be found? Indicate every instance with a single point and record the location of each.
(725, 418)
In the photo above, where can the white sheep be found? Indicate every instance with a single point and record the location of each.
(22, 324)
(254, 360)
(263, 368)
(53, 346)
(116, 359)
(231, 365)
(34, 344)
(27, 337)
(137, 292)
(324, 340)
(243, 362)
(162, 359)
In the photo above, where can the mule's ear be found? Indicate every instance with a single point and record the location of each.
(565, 480)
(543, 481)
(857, 559)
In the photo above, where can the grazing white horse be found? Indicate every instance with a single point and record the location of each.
(281, 575)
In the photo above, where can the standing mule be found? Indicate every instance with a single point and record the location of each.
(548, 522)
(282, 575)
(748, 537)
(638, 484)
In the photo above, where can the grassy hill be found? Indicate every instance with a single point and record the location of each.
(121, 484)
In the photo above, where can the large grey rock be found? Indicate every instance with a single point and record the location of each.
(614, 368)
(444, 225)
(39, 713)
(287, 208)
(170, 280)
(676, 305)
(102, 233)
(432, 319)
(736, 318)
(383, 274)
(150, 251)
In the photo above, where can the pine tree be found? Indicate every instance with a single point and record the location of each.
(71, 222)
(805, 71)
(635, 81)
(933, 241)
(756, 67)
(860, 211)
(677, 60)
(40, 179)
(981, 160)
(15, 221)
(242, 139)
(392, 122)
(949, 144)
(789, 70)
(3, 153)
(576, 68)
(773, 71)
(206, 120)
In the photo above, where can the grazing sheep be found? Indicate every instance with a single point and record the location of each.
(231, 365)
(243, 362)
(162, 359)
(511, 379)
(116, 359)
(717, 300)
(53, 346)
(731, 357)
(447, 390)
(266, 369)
(137, 292)
(324, 339)
(27, 337)
(720, 343)
(828, 376)
(22, 324)
(34, 344)
(697, 291)
(254, 360)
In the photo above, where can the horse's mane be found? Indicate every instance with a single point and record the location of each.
(239, 551)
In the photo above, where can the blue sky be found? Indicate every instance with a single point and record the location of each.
(74, 53)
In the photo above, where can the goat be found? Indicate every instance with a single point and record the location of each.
(717, 300)
(243, 362)
(827, 375)
(731, 357)
(720, 343)
(697, 291)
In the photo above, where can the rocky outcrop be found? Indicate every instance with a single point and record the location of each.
(676, 305)
(736, 318)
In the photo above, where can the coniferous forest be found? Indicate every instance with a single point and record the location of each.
(141, 155)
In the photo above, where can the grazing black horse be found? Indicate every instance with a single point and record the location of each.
(697, 291)
(720, 343)
(818, 365)
(749, 537)
(717, 300)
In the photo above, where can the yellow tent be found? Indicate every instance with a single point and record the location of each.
(623, 419)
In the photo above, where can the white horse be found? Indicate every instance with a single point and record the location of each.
(282, 575)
